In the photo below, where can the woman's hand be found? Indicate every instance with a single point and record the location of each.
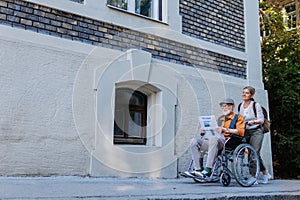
(252, 122)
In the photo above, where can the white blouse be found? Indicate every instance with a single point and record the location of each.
(249, 114)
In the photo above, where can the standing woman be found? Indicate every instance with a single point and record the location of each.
(254, 129)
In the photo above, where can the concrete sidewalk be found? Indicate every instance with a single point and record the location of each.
(135, 188)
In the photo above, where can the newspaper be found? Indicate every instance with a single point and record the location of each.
(209, 124)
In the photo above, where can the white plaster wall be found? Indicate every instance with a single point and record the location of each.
(37, 131)
(254, 71)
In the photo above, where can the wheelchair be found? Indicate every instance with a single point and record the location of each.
(237, 155)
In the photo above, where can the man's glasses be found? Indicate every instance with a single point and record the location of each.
(225, 106)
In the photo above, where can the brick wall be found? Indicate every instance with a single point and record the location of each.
(217, 21)
(57, 23)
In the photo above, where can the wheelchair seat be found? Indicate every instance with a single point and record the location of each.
(234, 141)
(231, 143)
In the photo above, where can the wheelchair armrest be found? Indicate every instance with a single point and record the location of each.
(234, 140)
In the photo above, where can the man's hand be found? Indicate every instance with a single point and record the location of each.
(226, 135)
(226, 132)
(202, 131)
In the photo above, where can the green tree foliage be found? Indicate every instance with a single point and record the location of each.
(281, 63)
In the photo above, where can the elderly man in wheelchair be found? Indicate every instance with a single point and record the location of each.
(225, 147)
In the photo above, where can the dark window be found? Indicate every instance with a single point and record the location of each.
(130, 117)
(143, 7)
(118, 3)
(152, 9)
(160, 10)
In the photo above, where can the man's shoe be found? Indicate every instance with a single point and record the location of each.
(203, 174)
(195, 173)
(187, 174)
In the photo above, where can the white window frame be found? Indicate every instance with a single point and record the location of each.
(156, 14)
(154, 111)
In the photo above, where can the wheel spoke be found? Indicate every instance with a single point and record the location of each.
(246, 165)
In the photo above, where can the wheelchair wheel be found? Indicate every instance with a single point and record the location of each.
(245, 166)
(225, 179)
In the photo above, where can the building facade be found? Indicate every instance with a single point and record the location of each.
(114, 88)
